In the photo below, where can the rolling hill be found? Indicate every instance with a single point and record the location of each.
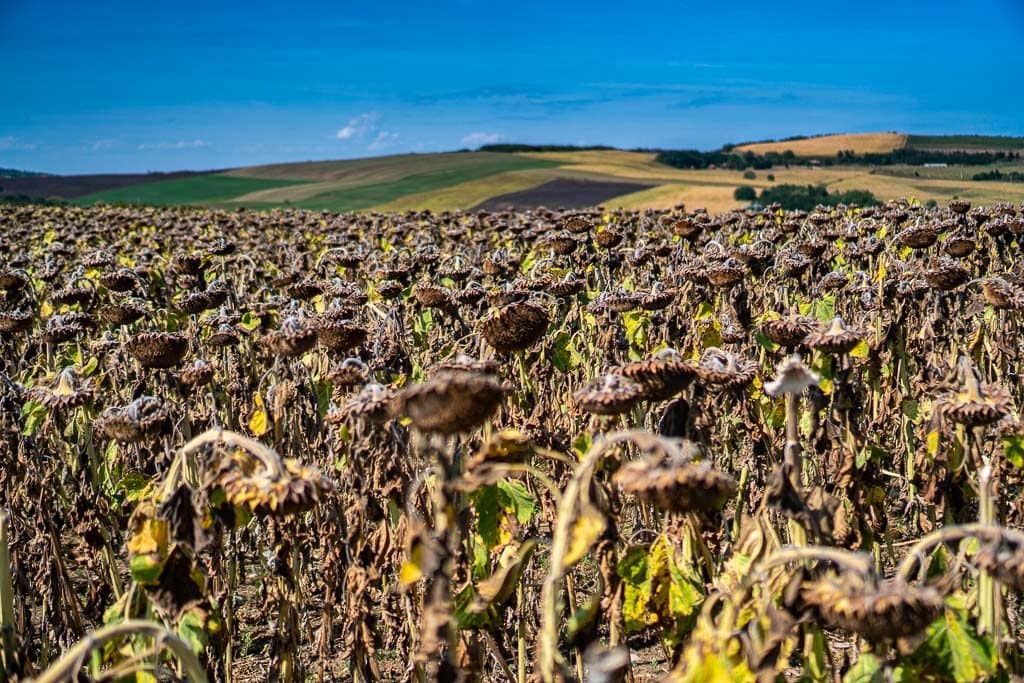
(569, 178)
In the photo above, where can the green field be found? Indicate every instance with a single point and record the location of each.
(966, 142)
(198, 190)
(461, 171)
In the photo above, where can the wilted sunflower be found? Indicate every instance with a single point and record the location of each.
(919, 236)
(945, 274)
(452, 401)
(67, 389)
(790, 331)
(838, 339)
(1004, 560)
(340, 335)
(265, 487)
(142, 417)
(373, 403)
(719, 367)
(676, 486)
(351, 373)
(1001, 294)
(515, 326)
(157, 349)
(608, 394)
(15, 321)
(196, 374)
(660, 377)
(123, 313)
(294, 337)
(875, 609)
(974, 403)
(725, 274)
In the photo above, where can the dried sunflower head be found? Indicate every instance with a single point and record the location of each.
(15, 321)
(515, 326)
(67, 389)
(874, 609)
(719, 367)
(225, 335)
(373, 403)
(676, 486)
(452, 401)
(144, 416)
(608, 394)
(294, 337)
(945, 274)
(352, 372)
(340, 335)
(1001, 294)
(790, 331)
(280, 488)
(838, 339)
(660, 377)
(792, 378)
(1004, 559)
(196, 374)
(974, 403)
(157, 349)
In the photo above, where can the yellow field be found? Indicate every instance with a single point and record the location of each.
(861, 143)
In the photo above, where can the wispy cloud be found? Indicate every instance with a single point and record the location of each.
(11, 143)
(102, 144)
(178, 144)
(383, 140)
(735, 99)
(481, 138)
(359, 126)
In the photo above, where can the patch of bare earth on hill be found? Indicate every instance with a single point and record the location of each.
(565, 193)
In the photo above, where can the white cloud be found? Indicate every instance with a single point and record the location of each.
(179, 144)
(480, 138)
(359, 126)
(105, 143)
(10, 143)
(383, 140)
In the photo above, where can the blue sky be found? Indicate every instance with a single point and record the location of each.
(125, 86)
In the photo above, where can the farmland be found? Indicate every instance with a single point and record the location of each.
(465, 180)
(531, 445)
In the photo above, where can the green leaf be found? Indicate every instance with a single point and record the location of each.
(36, 414)
(192, 629)
(867, 670)
(90, 367)
(1013, 450)
(825, 308)
(146, 568)
(517, 497)
(485, 503)
(953, 651)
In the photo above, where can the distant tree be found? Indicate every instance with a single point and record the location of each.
(744, 193)
(770, 177)
(749, 175)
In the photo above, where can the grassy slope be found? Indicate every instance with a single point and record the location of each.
(832, 144)
(202, 189)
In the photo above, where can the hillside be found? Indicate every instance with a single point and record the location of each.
(859, 143)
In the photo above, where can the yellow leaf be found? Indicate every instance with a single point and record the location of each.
(861, 350)
(258, 423)
(933, 443)
(153, 537)
(412, 569)
(587, 528)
